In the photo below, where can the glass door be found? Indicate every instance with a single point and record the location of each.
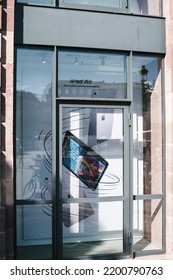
(93, 194)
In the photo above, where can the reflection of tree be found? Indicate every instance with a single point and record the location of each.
(33, 114)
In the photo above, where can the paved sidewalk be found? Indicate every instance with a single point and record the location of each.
(156, 257)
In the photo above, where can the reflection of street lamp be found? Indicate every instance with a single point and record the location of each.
(103, 61)
(147, 86)
(143, 72)
(43, 59)
(76, 61)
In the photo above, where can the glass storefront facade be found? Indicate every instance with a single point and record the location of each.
(142, 7)
(108, 197)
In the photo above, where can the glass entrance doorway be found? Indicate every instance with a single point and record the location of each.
(94, 183)
(108, 199)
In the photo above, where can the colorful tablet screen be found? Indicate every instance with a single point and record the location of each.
(83, 161)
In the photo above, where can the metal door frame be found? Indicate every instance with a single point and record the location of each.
(57, 159)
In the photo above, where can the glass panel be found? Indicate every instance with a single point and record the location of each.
(33, 152)
(33, 124)
(92, 157)
(108, 3)
(147, 125)
(93, 152)
(34, 231)
(43, 2)
(147, 225)
(92, 75)
(91, 229)
(146, 7)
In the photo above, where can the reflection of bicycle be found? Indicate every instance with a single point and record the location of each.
(33, 189)
(33, 186)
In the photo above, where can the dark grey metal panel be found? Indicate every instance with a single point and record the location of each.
(62, 27)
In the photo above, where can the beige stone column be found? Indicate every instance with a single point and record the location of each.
(168, 13)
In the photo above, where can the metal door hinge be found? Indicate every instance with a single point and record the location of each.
(126, 3)
(130, 237)
(130, 119)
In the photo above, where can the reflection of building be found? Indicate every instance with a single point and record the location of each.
(92, 65)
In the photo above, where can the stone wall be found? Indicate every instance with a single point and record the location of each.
(6, 118)
(168, 13)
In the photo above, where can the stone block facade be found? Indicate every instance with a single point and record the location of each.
(6, 117)
(168, 14)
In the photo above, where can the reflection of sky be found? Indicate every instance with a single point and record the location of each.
(136, 6)
(32, 74)
(92, 66)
